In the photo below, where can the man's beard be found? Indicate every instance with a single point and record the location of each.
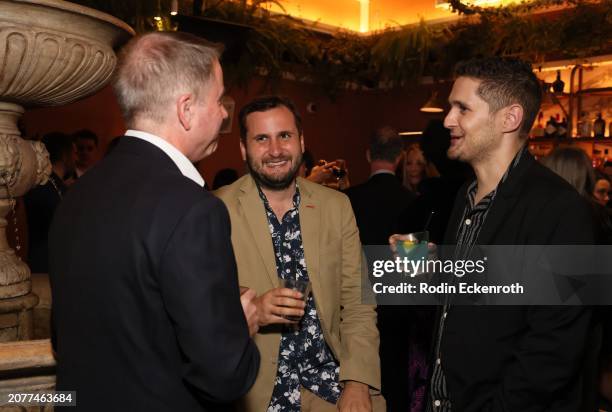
(280, 182)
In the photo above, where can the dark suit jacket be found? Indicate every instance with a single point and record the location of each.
(520, 358)
(145, 293)
(378, 204)
(432, 208)
(40, 205)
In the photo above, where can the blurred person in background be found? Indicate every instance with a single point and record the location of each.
(415, 166)
(378, 203)
(41, 201)
(601, 190)
(224, 177)
(573, 165)
(87, 150)
(331, 174)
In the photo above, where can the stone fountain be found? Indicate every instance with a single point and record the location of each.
(52, 53)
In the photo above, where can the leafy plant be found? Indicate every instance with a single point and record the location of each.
(280, 45)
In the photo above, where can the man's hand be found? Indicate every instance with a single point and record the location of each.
(323, 172)
(279, 302)
(355, 398)
(432, 248)
(247, 299)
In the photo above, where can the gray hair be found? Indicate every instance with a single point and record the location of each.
(386, 144)
(156, 67)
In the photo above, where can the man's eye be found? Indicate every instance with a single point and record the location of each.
(285, 135)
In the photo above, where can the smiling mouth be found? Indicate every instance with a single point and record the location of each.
(455, 139)
(276, 163)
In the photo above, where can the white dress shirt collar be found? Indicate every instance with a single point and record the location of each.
(382, 172)
(180, 160)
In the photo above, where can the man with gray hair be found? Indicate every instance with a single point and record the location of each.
(146, 303)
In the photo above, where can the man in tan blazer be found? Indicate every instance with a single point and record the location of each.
(285, 227)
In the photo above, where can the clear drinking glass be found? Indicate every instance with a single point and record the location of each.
(302, 286)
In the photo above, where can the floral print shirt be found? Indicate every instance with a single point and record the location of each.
(304, 358)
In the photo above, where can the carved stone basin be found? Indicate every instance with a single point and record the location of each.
(52, 52)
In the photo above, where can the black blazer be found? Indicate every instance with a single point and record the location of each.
(146, 301)
(378, 204)
(520, 358)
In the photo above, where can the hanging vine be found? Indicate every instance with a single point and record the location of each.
(280, 44)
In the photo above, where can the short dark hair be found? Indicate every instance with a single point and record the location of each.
(263, 104)
(308, 160)
(505, 81)
(58, 145)
(86, 134)
(224, 177)
(386, 144)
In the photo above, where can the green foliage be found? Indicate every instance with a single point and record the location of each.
(279, 44)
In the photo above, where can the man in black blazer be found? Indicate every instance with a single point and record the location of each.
(146, 303)
(379, 201)
(507, 358)
(378, 204)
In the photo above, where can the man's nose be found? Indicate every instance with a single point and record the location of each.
(449, 120)
(275, 147)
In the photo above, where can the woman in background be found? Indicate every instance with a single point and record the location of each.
(414, 168)
(574, 165)
(601, 191)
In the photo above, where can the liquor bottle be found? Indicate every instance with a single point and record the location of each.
(584, 126)
(599, 127)
(558, 84)
(551, 128)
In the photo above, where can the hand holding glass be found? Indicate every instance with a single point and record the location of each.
(413, 246)
(302, 286)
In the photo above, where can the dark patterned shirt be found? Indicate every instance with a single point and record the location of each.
(471, 223)
(304, 358)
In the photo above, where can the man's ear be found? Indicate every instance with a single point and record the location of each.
(243, 150)
(368, 156)
(184, 110)
(302, 142)
(512, 118)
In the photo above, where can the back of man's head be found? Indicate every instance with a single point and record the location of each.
(155, 68)
(386, 144)
(59, 145)
(505, 81)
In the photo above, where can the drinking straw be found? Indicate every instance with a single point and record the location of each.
(428, 220)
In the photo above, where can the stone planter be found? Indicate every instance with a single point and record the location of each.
(52, 52)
